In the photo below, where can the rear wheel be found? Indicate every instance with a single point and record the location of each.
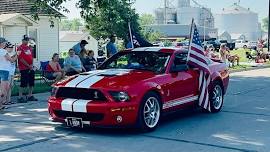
(149, 112)
(216, 97)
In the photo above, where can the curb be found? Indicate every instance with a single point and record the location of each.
(250, 69)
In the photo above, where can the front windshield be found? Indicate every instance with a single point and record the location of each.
(151, 61)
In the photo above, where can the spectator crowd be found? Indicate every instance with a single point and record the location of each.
(20, 57)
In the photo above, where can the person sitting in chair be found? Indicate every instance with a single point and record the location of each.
(233, 58)
(54, 70)
(73, 64)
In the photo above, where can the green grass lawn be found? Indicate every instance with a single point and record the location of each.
(241, 53)
(39, 88)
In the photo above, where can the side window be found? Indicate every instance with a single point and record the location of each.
(180, 59)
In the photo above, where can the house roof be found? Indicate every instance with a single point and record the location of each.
(73, 36)
(22, 7)
(236, 35)
(4, 18)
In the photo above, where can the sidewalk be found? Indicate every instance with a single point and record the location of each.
(253, 64)
(42, 97)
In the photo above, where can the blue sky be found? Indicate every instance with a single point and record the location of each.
(148, 6)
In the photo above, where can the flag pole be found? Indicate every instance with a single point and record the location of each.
(190, 37)
(130, 35)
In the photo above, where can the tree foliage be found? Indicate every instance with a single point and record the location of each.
(148, 33)
(102, 17)
(71, 25)
(146, 19)
(265, 24)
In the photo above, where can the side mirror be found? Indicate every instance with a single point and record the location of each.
(178, 68)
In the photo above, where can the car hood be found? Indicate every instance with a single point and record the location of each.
(108, 79)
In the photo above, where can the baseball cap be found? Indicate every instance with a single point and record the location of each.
(25, 38)
(2, 40)
(9, 45)
(84, 42)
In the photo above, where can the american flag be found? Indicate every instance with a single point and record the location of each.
(197, 59)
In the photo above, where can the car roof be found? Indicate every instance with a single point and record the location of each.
(161, 49)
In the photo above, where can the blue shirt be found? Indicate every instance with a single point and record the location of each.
(74, 62)
(77, 48)
(129, 45)
(111, 48)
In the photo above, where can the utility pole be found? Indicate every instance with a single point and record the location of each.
(268, 26)
(165, 11)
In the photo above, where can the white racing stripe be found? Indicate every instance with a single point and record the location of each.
(66, 104)
(178, 102)
(80, 106)
(90, 81)
(77, 80)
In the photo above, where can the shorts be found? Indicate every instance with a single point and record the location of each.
(50, 75)
(27, 78)
(4, 75)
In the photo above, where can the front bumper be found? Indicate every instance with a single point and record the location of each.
(97, 113)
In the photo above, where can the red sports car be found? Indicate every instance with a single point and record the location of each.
(134, 88)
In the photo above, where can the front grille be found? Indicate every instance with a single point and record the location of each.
(80, 93)
(85, 116)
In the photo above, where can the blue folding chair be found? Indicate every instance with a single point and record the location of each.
(44, 73)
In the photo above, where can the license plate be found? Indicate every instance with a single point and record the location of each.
(74, 122)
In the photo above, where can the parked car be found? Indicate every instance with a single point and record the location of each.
(231, 46)
(252, 45)
(241, 44)
(135, 88)
(214, 43)
(181, 45)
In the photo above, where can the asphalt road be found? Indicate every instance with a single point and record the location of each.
(243, 125)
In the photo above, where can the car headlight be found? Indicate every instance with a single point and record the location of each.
(54, 91)
(120, 96)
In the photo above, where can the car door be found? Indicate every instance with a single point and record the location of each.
(183, 86)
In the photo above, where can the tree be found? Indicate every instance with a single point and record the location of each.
(113, 18)
(102, 17)
(71, 25)
(145, 21)
(265, 24)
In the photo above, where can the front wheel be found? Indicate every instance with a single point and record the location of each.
(216, 97)
(149, 112)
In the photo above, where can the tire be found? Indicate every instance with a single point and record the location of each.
(216, 97)
(148, 121)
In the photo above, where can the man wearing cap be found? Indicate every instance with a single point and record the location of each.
(80, 46)
(111, 46)
(4, 72)
(25, 64)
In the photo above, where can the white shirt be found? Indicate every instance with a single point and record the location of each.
(12, 66)
(4, 63)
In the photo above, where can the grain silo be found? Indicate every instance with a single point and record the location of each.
(170, 16)
(238, 20)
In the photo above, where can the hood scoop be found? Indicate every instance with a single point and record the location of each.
(107, 75)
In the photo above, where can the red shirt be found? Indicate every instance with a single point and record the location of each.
(24, 52)
(50, 69)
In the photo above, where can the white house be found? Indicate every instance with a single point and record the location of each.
(236, 36)
(70, 38)
(16, 21)
(225, 36)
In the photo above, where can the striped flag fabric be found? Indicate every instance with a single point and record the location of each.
(197, 59)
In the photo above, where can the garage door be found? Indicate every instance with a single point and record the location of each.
(14, 34)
